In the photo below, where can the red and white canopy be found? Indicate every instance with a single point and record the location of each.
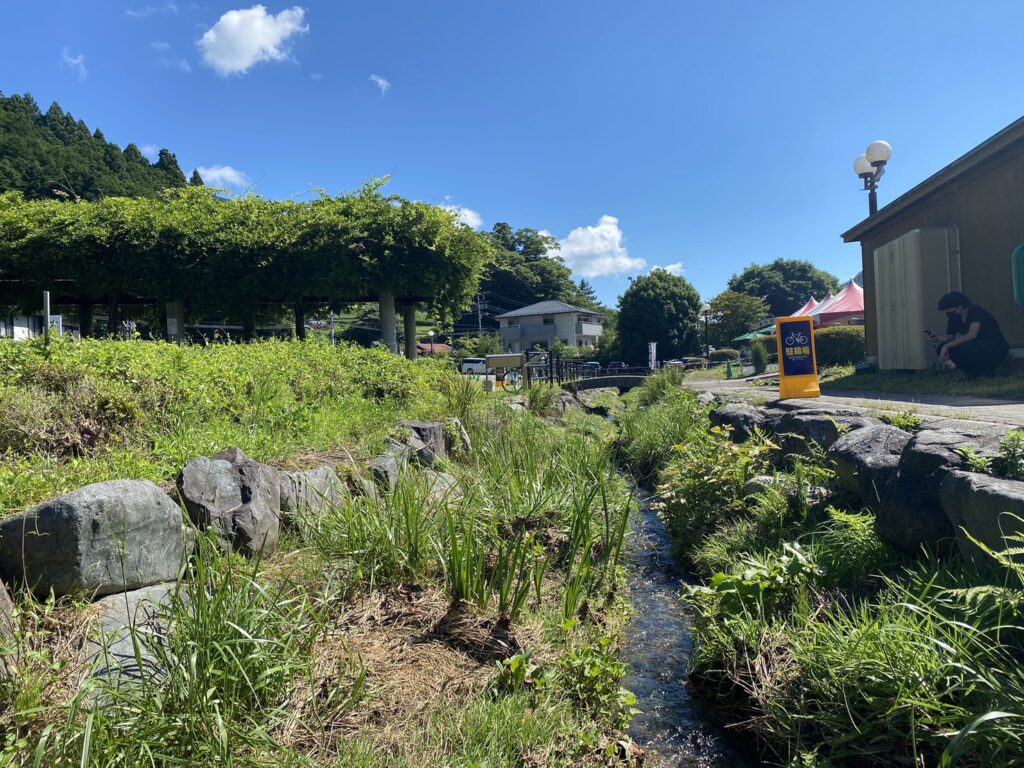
(806, 309)
(838, 309)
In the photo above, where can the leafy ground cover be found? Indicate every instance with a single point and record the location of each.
(810, 632)
(477, 628)
(96, 410)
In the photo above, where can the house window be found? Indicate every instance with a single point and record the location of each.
(548, 321)
(513, 321)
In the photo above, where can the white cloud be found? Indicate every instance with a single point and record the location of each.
(243, 38)
(598, 251)
(151, 152)
(223, 176)
(466, 216)
(676, 269)
(160, 47)
(315, 76)
(381, 82)
(75, 63)
(149, 10)
(179, 64)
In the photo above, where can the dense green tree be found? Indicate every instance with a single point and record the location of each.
(658, 307)
(52, 155)
(785, 284)
(196, 180)
(734, 314)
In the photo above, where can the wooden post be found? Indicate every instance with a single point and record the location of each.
(175, 321)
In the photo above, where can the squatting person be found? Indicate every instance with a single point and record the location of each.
(973, 341)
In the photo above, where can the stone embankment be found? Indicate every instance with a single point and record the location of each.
(128, 542)
(919, 486)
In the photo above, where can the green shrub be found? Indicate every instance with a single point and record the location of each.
(721, 355)
(849, 550)
(658, 386)
(759, 356)
(839, 345)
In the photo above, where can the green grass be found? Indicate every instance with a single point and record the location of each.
(312, 657)
(813, 635)
(96, 410)
(1007, 385)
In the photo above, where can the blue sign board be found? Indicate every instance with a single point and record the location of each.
(797, 347)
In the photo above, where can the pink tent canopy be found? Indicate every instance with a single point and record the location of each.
(805, 310)
(845, 305)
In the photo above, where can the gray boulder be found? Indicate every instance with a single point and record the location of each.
(742, 418)
(411, 450)
(384, 470)
(457, 442)
(432, 435)
(103, 538)
(563, 402)
(443, 486)
(706, 398)
(314, 491)
(866, 459)
(799, 431)
(759, 484)
(985, 507)
(909, 512)
(111, 646)
(240, 499)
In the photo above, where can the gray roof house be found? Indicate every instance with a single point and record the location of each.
(543, 323)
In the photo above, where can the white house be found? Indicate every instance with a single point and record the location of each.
(20, 327)
(543, 323)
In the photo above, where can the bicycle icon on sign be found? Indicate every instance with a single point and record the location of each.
(796, 340)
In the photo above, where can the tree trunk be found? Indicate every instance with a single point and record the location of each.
(388, 331)
(249, 324)
(300, 320)
(85, 319)
(114, 319)
(409, 316)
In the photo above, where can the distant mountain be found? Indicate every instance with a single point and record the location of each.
(54, 155)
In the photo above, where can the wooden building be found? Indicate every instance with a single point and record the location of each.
(957, 230)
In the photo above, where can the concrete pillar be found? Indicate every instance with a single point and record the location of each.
(409, 316)
(388, 331)
(175, 321)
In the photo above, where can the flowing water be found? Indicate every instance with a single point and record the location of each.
(674, 730)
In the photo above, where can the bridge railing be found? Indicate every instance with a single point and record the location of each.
(553, 368)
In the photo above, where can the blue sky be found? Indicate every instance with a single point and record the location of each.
(697, 136)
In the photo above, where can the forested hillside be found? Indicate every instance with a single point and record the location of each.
(54, 155)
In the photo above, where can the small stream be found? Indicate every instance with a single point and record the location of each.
(674, 730)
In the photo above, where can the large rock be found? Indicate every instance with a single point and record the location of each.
(411, 450)
(314, 491)
(103, 538)
(910, 512)
(126, 621)
(866, 459)
(240, 499)
(432, 435)
(800, 431)
(442, 486)
(385, 471)
(742, 418)
(983, 507)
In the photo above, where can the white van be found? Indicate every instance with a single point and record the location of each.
(474, 365)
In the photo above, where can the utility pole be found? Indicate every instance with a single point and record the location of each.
(479, 314)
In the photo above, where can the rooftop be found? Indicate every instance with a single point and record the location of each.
(546, 308)
(1012, 135)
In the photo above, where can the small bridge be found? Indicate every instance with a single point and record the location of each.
(622, 381)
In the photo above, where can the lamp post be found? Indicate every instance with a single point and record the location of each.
(431, 335)
(706, 310)
(870, 166)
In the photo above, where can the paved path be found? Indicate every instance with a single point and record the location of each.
(979, 411)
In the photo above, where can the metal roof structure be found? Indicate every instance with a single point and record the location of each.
(546, 308)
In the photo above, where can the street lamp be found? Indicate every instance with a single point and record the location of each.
(431, 335)
(870, 166)
(706, 310)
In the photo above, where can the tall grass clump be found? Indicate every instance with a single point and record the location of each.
(648, 434)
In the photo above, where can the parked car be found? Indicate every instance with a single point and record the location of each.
(617, 365)
(474, 365)
(591, 368)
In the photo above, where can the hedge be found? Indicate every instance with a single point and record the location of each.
(725, 354)
(839, 345)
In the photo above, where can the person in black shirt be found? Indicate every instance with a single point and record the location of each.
(973, 341)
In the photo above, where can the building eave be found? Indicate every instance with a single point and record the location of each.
(988, 149)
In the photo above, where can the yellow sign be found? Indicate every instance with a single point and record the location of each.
(798, 364)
